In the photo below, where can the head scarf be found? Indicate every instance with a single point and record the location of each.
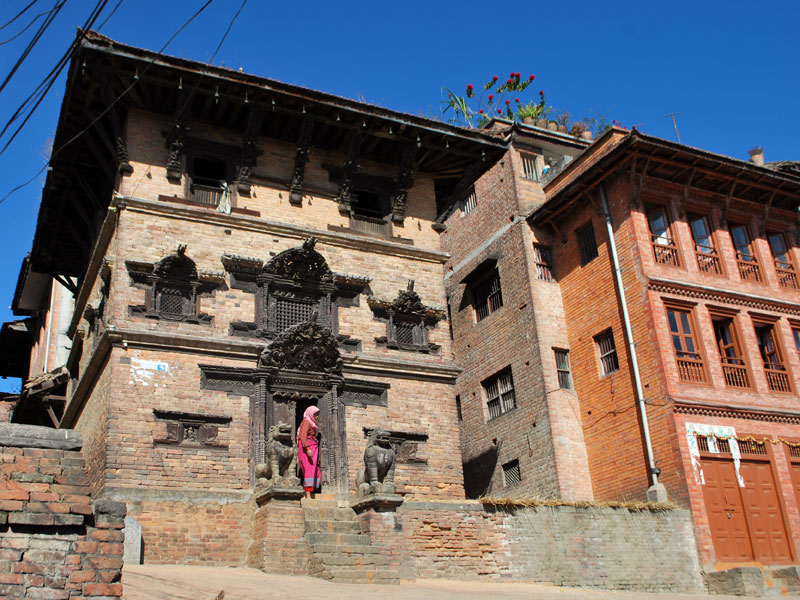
(308, 416)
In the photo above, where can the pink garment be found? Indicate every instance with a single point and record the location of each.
(307, 439)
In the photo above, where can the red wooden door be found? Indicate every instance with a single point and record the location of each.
(764, 514)
(725, 512)
(794, 470)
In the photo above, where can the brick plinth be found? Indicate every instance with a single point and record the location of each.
(278, 544)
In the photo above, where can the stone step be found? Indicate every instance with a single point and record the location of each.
(329, 513)
(339, 561)
(333, 549)
(383, 576)
(321, 501)
(321, 526)
(339, 539)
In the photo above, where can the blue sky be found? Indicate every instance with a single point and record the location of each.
(729, 68)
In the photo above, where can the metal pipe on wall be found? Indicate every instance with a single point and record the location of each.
(629, 334)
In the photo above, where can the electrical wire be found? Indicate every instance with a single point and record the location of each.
(56, 151)
(111, 14)
(90, 21)
(16, 35)
(36, 37)
(18, 15)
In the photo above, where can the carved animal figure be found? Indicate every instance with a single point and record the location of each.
(377, 476)
(281, 456)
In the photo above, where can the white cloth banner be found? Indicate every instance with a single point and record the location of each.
(710, 432)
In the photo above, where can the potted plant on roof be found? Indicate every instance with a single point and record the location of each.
(757, 156)
(494, 101)
(562, 118)
(530, 112)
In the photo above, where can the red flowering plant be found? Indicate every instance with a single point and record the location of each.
(465, 110)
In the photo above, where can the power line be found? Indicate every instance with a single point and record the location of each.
(37, 36)
(57, 71)
(18, 15)
(16, 35)
(55, 152)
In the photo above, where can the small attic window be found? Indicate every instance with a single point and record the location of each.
(209, 178)
(368, 204)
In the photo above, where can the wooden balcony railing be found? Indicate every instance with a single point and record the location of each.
(690, 367)
(707, 259)
(777, 378)
(205, 194)
(749, 269)
(786, 275)
(371, 225)
(735, 374)
(664, 250)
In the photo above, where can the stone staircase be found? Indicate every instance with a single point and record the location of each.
(338, 550)
(756, 581)
(782, 582)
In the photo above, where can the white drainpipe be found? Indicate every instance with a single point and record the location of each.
(629, 334)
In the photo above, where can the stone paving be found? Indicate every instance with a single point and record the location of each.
(177, 582)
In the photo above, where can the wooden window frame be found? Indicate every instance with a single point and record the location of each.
(708, 263)
(786, 271)
(505, 399)
(607, 334)
(690, 369)
(663, 253)
(564, 373)
(469, 202)
(778, 375)
(543, 257)
(512, 467)
(483, 295)
(533, 159)
(587, 248)
(731, 370)
(749, 270)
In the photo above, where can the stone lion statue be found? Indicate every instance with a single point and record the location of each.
(377, 476)
(281, 456)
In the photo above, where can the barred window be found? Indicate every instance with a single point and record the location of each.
(562, 367)
(544, 263)
(487, 296)
(291, 312)
(587, 246)
(172, 301)
(500, 393)
(530, 170)
(607, 352)
(469, 202)
(511, 473)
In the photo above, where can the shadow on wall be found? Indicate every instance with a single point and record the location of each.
(478, 473)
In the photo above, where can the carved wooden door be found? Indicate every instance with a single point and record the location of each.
(726, 518)
(764, 514)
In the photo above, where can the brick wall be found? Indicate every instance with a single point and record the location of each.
(55, 541)
(603, 548)
(278, 544)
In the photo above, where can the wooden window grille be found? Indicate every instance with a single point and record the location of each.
(708, 260)
(544, 263)
(607, 351)
(469, 202)
(209, 180)
(723, 446)
(749, 269)
(587, 246)
(794, 451)
(172, 301)
(511, 473)
(665, 250)
(290, 312)
(530, 170)
(458, 408)
(690, 362)
(563, 370)
(774, 367)
(404, 332)
(500, 394)
(784, 267)
(752, 448)
(734, 367)
(488, 296)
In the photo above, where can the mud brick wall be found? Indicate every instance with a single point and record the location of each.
(55, 542)
(589, 547)
(278, 544)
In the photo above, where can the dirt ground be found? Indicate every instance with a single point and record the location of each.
(161, 582)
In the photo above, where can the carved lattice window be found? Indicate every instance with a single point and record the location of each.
(404, 332)
(408, 321)
(290, 312)
(173, 302)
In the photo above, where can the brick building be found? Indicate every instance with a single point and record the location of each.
(551, 399)
(208, 212)
(195, 221)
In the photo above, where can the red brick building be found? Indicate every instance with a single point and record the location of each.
(706, 252)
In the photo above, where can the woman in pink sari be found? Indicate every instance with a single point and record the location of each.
(308, 450)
